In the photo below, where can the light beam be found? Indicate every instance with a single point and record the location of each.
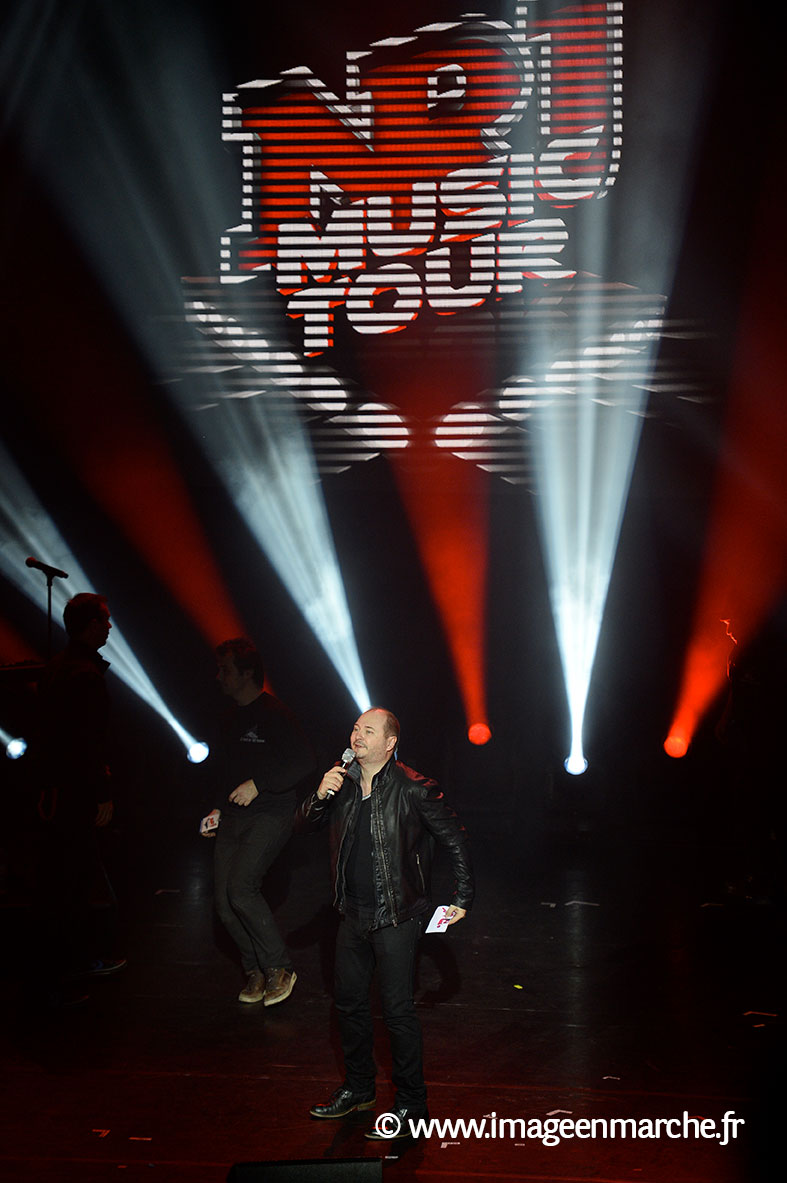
(260, 451)
(745, 567)
(587, 427)
(26, 527)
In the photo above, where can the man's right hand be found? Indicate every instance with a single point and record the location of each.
(331, 782)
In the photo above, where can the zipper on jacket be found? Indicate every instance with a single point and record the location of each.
(340, 868)
(387, 885)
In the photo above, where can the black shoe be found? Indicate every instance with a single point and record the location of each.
(396, 1124)
(342, 1102)
(103, 968)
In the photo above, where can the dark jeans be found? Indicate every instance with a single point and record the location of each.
(75, 903)
(392, 951)
(246, 845)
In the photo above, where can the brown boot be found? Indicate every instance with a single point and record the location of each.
(254, 990)
(280, 984)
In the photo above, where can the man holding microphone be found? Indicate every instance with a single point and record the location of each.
(385, 819)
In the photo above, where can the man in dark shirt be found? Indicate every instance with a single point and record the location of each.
(265, 755)
(384, 819)
(71, 759)
(74, 720)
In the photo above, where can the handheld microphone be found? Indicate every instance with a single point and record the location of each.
(50, 572)
(348, 755)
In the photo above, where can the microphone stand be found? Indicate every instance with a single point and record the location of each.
(51, 574)
(50, 579)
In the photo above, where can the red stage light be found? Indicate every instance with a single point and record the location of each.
(676, 746)
(91, 395)
(479, 734)
(131, 472)
(745, 569)
(447, 508)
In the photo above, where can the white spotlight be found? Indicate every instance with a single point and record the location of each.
(575, 764)
(198, 752)
(585, 441)
(15, 748)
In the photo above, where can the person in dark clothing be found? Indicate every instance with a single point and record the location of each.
(74, 718)
(71, 758)
(385, 819)
(265, 755)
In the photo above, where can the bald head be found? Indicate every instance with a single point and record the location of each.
(374, 738)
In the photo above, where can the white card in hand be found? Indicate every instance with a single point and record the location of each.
(209, 823)
(439, 921)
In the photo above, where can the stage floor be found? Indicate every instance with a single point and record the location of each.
(605, 972)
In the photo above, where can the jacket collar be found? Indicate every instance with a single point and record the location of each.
(77, 649)
(380, 778)
(384, 775)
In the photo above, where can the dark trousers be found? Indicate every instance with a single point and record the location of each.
(75, 902)
(391, 950)
(246, 845)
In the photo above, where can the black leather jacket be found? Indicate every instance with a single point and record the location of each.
(408, 815)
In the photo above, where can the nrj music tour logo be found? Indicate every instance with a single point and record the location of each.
(442, 177)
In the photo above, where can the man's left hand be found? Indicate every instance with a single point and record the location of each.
(245, 793)
(454, 914)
